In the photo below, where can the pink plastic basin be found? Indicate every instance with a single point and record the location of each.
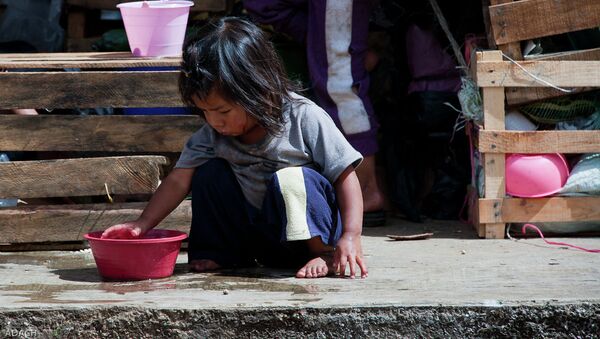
(155, 28)
(149, 257)
(535, 175)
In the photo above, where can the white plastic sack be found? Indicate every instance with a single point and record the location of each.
(515, 121)
(585, 177)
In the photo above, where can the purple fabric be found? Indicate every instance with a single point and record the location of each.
(289, 16)
(431, 68)
(297, 16)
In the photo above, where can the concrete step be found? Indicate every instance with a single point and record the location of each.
(452, 285)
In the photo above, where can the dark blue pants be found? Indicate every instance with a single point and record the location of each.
(299, 204)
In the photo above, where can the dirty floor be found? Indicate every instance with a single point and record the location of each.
(453, 268)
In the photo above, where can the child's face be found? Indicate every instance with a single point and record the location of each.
(225, 117)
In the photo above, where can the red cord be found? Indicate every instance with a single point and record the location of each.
(523, 230)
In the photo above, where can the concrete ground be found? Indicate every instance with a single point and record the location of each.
(452, 285)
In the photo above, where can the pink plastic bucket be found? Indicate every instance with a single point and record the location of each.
(155, 28)
(535, 175)
(149, 257)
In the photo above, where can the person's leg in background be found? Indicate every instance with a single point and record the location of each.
(337, 48)
(336, 40)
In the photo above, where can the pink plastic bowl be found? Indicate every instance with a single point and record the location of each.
(535, 175)
(149, 257)
(155, 28)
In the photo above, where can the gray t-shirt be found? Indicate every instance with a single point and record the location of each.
(310, 139)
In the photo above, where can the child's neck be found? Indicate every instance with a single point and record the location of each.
(255, 134)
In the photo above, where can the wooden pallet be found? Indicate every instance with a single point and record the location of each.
(139, 143)
(510, 22)
(494, 210)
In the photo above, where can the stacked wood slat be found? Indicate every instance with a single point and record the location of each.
(494, 210)
(510, 22)
(133, 149)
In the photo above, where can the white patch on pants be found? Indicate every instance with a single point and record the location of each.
(293, 190)
(338, 36)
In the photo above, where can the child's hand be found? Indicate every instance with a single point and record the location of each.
(127, 230)
(349, 252)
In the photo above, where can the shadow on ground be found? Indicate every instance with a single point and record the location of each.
(447, 229)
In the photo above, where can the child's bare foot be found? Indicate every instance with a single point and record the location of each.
(315, 268)
(204, 265)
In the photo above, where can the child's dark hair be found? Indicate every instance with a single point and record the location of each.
(234, 57)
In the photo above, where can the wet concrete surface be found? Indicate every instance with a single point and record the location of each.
(450, 285)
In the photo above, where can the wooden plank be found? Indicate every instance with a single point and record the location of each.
(485, 4)
(493, 164)
(83, 60)
(75, 38)
(108, 133)
(481, 57)
(530, 19)
(555, 209)
(512, 49)
(580, 55)
(558, 73)
(519, 95)
(494, 182)
(89, 89)
(493, 141)
(473, 201)
(516, 96)
(80, 177)
(71, 222)
(199, 5)
(76, 24)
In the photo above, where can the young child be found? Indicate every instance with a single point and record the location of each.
(272, 178)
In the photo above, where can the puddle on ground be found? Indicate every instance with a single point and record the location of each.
(46, 293)
(80, 267)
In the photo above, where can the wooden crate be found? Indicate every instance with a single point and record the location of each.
(139, 143)
(494, 210)
(509, 22)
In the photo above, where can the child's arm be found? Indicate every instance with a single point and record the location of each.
(349, 248)
(167, 197)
